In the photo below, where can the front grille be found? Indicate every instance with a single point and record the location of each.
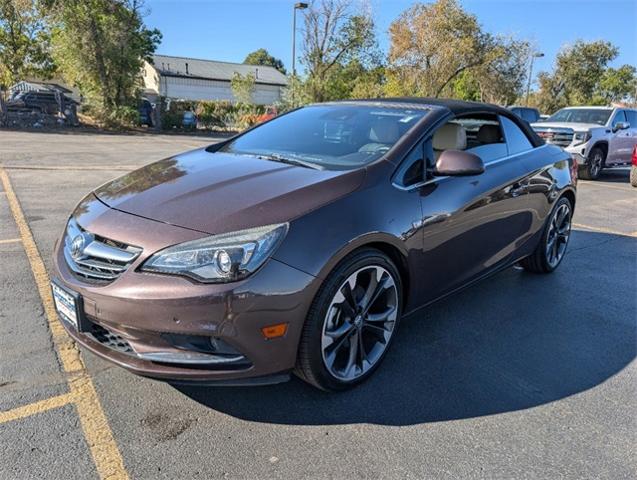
(562, 137)
(110, 339)
(96, 258)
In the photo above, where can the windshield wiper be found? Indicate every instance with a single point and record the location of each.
(290, 161)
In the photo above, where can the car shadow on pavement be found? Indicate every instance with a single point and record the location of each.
(511, 342)
(614, 175)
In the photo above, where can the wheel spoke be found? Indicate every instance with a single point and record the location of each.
(361, 350)
(371, 289)
(348, 294)
(338, 332)
(381, 316)
(377, 329)
(554, 249)
(380, 288)
(561, 215)
(564, 229)
(353, 353)
(347, 309)
(338, 344)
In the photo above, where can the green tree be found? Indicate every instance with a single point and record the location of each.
(581, 76)
(100, 46)
(432, 45)
(580, 67)
(501, 79)
(243, 87)
(550, 95)
(617, 85)
(263, 57)
(24, 41)
(336, 42)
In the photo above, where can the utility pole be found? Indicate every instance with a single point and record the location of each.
(297, 6)
(528, 85)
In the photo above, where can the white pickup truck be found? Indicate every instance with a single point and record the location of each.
(597, 137)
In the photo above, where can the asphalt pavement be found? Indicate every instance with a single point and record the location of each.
(520, 376)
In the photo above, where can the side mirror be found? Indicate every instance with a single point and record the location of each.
(621, 126)
(458, 163)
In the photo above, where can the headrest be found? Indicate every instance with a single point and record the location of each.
(489, 134)
(384, 130)
(450, 136)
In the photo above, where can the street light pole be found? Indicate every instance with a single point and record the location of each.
(297, 6)
(528, 85)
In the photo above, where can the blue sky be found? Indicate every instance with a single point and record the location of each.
(227, 30)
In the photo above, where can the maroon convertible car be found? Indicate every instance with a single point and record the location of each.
(298, 245)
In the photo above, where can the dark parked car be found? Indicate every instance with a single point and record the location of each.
(146, 112)
(298, 245)
(528, 114)
(45, 102)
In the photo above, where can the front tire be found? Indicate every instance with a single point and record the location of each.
(351, 322)
(593, 167)
(550, 252)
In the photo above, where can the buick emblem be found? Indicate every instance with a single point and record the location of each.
(78, 244)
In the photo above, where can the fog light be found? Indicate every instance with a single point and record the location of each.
(224, 262)
(274, 331)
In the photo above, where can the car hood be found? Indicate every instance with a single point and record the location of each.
(219, 192)
(577, 127)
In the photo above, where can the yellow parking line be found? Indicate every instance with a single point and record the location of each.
(10, 240)
(605, 230)
(107, 458)
(37, 407)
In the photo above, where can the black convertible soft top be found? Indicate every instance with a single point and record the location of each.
(461, 107)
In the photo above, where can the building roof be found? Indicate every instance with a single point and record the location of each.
(36, 86)
(212, 70)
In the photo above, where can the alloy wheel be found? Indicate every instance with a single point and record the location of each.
(596, 164)
(359, 323)
(558, 234)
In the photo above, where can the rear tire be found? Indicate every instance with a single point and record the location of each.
(633, 176)
(348, 330)
(551, 249)
(594, 165)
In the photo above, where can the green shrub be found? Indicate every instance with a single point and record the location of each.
(212, 114)
(117, 117)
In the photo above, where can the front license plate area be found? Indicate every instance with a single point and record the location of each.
(69, 306)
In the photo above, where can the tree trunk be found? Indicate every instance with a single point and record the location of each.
(99, 62)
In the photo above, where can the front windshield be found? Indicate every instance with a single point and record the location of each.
(333, 137)
(582, 115)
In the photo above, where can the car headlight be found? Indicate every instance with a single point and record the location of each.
(220, 258)
(581, 137)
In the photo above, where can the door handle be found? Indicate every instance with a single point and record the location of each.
(517, 189)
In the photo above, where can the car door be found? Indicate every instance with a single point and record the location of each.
(619, 144)
(631, 138)
(471, 225)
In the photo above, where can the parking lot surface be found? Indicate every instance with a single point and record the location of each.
(520, 376)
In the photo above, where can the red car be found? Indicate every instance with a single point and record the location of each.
(633, 168)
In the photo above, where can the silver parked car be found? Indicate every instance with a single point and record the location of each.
(597, 137)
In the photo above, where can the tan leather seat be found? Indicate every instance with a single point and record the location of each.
(382, 134)
(489, 134)
(450, 136)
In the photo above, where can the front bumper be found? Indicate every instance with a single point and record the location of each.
(579, 152)
(579, 158)
(141, 312)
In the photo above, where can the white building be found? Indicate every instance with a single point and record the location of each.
(182, 78)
